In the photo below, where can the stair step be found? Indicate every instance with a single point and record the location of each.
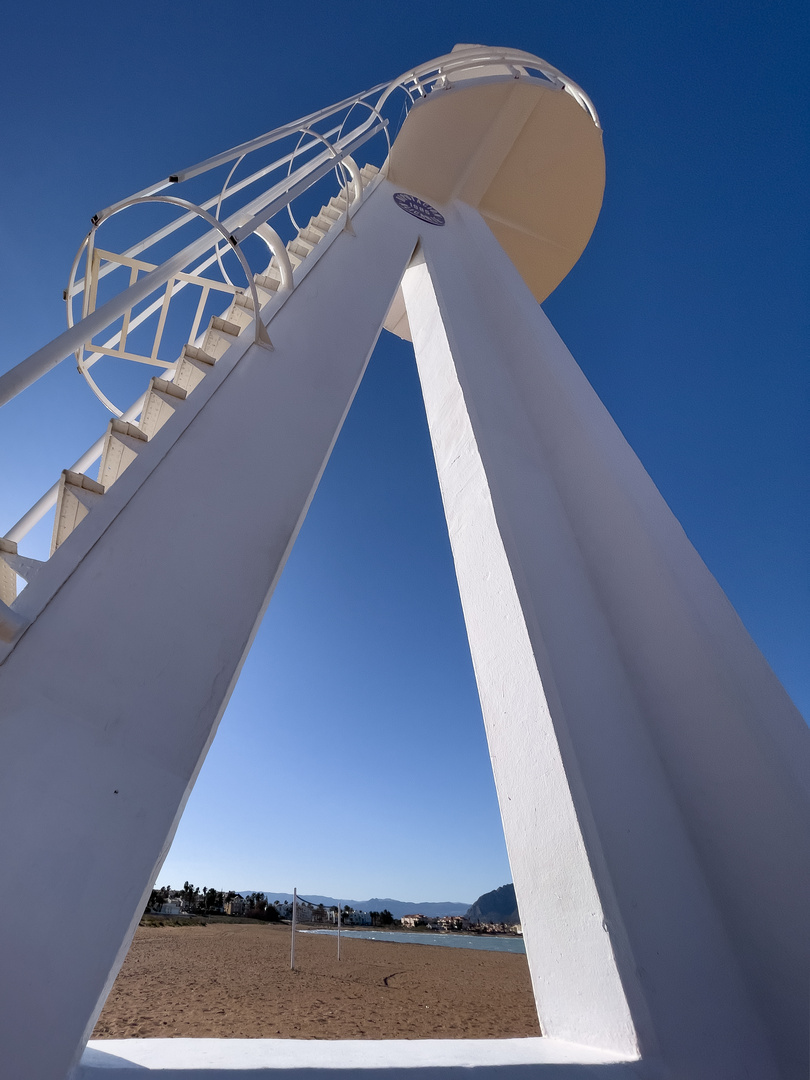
(300, 248)
(311, 235)
(238, 314)
(19, 565)
(267, 282)
(369, 171)
(77, 495)
(330, 213)
(162, 399)
(191, 352)
(8, 579)
(224, 326)
(219, 337)
(192, 367)
(318, 225)
(122, 445)
(244, 300)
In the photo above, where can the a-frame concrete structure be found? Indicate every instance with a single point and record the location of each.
(653, 776)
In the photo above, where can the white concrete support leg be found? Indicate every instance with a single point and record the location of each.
(141, 621)
(651, 771)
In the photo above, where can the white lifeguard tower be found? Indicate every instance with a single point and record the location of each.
(653, 776)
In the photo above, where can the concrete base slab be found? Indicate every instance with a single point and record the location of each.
(219, 1059)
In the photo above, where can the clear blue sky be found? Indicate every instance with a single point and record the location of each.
(351, 760)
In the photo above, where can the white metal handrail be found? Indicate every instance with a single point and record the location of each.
(215, 201)
(235, 228)
(96, 321)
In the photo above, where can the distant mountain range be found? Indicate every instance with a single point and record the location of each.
(398, 908)
(498, 906)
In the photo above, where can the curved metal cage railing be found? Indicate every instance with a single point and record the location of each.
(155, 265)
(252, 202)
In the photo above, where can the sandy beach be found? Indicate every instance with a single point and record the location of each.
(234, 981)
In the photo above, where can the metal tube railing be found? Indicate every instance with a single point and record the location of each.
(245, 148)
(167, 230)
(45, 359)
(43, 505)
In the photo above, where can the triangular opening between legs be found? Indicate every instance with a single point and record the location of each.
(352, 761)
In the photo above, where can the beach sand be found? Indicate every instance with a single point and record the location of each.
(221, 981)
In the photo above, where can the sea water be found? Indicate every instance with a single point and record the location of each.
(484, 942)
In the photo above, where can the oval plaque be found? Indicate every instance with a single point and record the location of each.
(420, 209)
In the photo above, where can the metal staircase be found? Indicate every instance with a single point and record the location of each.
(101, 325)
(124, 440)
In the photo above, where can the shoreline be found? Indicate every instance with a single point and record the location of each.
(152, 919)
(416, 931)
(431, 939)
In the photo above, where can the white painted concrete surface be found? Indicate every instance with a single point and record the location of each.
(688, 766)
(508, 1059)
(141, 621)
(576, 984)
(652, 774)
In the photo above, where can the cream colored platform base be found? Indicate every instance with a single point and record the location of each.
(218, 1059)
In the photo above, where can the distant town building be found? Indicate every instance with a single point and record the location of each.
(451, 922)
(356, 918)
(349, 918)
(168, 907)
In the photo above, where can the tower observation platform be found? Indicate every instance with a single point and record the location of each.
(524, 153)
